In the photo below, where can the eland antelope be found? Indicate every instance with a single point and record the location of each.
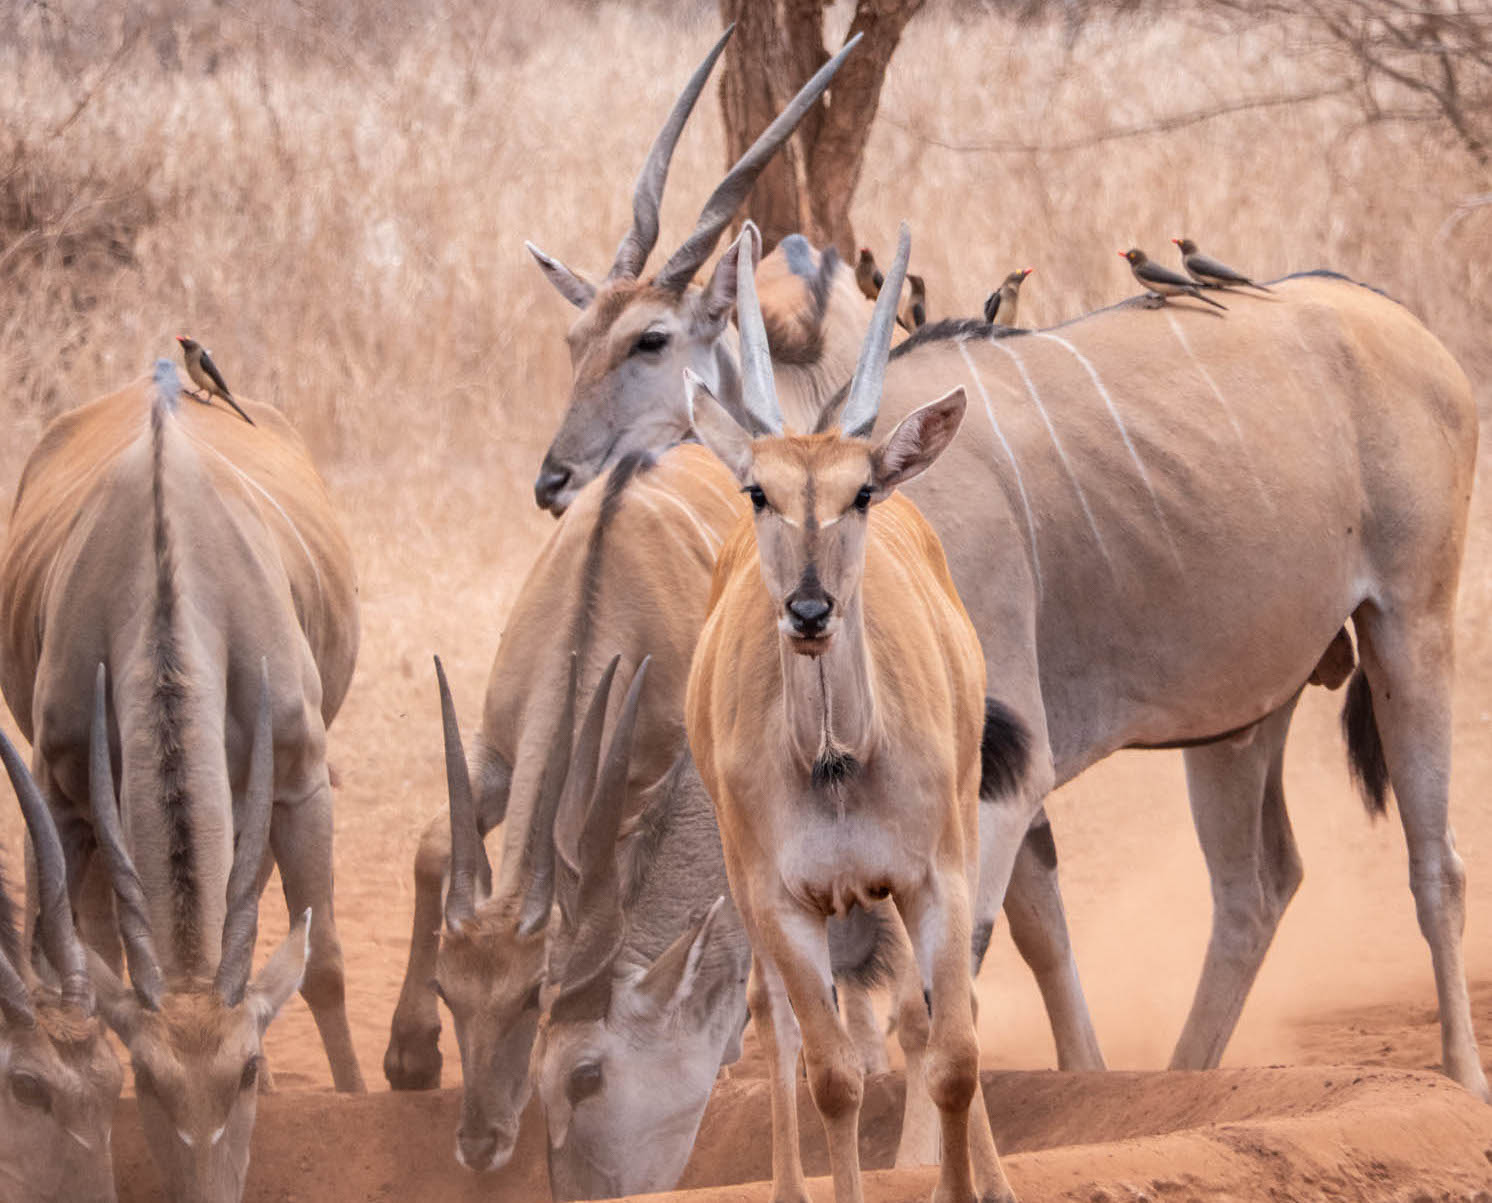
(632, 337)
(61, 1078)
(1159, 524)
(170, 557)
(613, 578)
(835, 710)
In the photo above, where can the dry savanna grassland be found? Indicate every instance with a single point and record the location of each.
(334, 197)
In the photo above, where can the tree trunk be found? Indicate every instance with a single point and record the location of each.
(778, 44)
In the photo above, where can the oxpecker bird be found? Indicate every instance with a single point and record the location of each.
(1000, 305)
(205, 375)
(1209, 271)
(1162, 282)
(912, 312)
(868, 275)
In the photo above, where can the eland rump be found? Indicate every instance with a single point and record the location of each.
(835, 709)
(181, 618)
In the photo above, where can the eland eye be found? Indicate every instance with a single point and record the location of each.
(758, 498)
(649, 342)
(585, 1080)
(862, 498)
(250, 1076)
(30, 1091)
(531, 999)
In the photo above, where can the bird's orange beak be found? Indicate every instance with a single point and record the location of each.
(181, 338)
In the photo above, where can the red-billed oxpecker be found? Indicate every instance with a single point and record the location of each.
(835, 709)
(1000, 305)
(1161, 283)
(1209, 272)
(205, 375)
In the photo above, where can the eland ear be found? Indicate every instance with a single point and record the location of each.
(575, 288)
(677, 977)
(919, 438)
(117, 1003)
(719, 296)
(282, 974)
(716, 429)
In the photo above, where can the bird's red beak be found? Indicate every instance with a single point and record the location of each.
(1027, 271)
(1177, 241)
(1124, 254)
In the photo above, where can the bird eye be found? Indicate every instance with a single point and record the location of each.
(758, 498)
(585, 1080)
(862, 498)
(30, 1091)
(250, 1076)
(649, 342)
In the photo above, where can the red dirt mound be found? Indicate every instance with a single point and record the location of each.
(1240, 1135)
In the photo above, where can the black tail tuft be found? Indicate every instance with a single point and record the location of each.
(1005, 752)
(1364, 747)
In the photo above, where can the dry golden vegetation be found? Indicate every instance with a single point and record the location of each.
(334, 197)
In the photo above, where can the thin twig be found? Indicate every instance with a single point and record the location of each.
(124, 48)
(1164, 125)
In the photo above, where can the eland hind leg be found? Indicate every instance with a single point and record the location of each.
(1038, 925)
(300, 834)
(1407, 660)
(1236, 790)
(778, 1034)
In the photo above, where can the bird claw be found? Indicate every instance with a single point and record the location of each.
(1153, 300)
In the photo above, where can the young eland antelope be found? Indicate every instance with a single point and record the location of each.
(835, 710)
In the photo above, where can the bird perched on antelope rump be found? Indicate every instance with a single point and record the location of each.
(1209, 272)
(1161, 282)
(912, 312)
(1000, 305)
(205, 375)
(867, 275)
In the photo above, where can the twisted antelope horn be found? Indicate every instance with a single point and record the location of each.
(736, 185)
(134, 917)
(538, 848)
(639, 241)
(468, 853)
(758, 390)
(58, 937)
(864, 402)
(241, 924)
(15, 999)
(580, 783)
(586, 988)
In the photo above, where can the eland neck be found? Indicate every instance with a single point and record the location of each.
(829, 702)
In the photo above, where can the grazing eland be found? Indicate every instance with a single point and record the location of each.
(61, 1078)
(1160, 523)
(836, 710)
(164, 563)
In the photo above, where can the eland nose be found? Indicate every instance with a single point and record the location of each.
(550, 482)
(479, 1150)
(810, 614)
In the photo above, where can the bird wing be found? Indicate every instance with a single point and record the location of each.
(992, 305)
(1153, 273)
(213, 374)
(1204, 266)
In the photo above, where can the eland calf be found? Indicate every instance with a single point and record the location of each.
(61, 1078)
(835, 710)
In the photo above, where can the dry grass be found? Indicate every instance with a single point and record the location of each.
(335, 200)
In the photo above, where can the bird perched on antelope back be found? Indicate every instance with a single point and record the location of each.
(205, 375)
(912, 312)
(868, 275)
(1205, 270)
(1000, 305)
(1162, 282)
